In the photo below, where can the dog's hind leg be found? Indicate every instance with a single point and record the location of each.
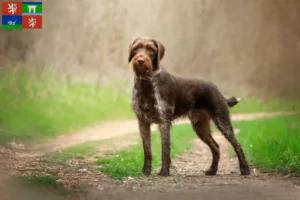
(222, 120)
(200, 123)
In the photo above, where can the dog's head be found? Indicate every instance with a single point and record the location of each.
(145, 54)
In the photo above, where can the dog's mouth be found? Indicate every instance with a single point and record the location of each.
(141, 70)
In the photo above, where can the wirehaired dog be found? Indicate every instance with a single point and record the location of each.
(159, 97)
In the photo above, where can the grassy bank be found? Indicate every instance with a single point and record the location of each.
(129, 162)
(47, 183)
(34, 106)
(251, 105)
(272, 144)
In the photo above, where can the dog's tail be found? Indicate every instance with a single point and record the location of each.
(232, 101)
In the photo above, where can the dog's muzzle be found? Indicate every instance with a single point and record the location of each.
(149, 76)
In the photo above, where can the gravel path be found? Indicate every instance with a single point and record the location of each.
(189, 182)
(186, 182)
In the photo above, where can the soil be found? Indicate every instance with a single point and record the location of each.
(187, 180)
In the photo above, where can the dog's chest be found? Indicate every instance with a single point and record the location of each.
(145, 103)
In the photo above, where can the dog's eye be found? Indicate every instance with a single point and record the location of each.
(151, 51)
(150, 48)
(152, 54)
(135, 48)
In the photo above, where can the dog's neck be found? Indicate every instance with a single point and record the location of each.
(150, 75)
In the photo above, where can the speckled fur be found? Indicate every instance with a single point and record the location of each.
(163, 98)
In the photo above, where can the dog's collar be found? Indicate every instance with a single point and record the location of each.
(150, 76)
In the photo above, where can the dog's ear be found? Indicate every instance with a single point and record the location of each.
(130, 50)
(160, 51)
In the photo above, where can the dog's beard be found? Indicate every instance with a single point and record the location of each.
(141, 72)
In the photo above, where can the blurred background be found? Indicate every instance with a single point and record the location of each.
(73, 73)
(243, 46)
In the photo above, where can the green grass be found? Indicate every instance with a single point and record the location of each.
(80, 151)
(94, 148)
(76, 152)
(129, 162)
(34, 106)
(248, 105)
(43, 182)
(273, 145)
(39, 180)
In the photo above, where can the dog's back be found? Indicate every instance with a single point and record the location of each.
(174, 96)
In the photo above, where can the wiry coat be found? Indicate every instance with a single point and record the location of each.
(167, 97)
(160, 97)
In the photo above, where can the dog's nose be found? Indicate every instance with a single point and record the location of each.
(141, 60)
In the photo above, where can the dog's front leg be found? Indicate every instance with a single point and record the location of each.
(164, 129)
(145, 132)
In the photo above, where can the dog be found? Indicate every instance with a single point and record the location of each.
(158, 97)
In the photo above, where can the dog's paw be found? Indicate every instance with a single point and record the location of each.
(146, 171)
(244, 168)
(211, 172)
(164, 173)
(245, 171)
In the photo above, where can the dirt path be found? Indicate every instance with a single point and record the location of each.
(113, 129)
(187, 181)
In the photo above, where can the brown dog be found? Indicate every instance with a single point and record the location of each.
(158, 97)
